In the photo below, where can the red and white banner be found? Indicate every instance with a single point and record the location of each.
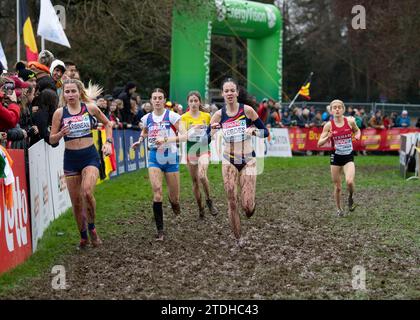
(15, 226)
(304, 139)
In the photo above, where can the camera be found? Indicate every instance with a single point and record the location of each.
(8, 87)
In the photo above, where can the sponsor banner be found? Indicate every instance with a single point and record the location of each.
(119, 146)
(60, 195)
(42, 211)
(15, 225)
(298, 137)
(303, 139)
(131, 156)
(278, 143)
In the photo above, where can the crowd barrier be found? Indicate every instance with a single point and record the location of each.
(306, 139)
(21, 225)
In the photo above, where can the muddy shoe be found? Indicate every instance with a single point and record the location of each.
(176, 208)
(340, 213)
(160, 236)
(94, 238)
(83, 244)
(352, 205)
(201, 213)
(212, 209)
(251, 213)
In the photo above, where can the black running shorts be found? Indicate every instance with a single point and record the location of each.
(341, 160)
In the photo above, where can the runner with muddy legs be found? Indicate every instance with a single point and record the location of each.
(193, 130)
(160, 126)
(74, 122)
(238, 123)
(340, 131)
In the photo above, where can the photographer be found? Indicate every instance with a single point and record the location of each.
(9, 109)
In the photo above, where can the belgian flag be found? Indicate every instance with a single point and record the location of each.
(28, 33)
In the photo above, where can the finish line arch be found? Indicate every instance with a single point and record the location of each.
(192, 28)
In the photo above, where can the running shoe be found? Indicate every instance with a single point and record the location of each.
(340, 213)
(94, 238)
(212, 208)
(160, 236)
(83, 244)
(352, 205)
(201, 213)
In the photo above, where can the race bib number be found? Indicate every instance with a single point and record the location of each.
(234, 131)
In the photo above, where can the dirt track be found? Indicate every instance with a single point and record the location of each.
(293, 251)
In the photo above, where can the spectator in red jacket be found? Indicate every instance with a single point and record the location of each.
(263, 110)
(9, 109)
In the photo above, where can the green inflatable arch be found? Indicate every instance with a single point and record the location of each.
(260, 23)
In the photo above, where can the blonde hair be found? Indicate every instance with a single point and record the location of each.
(86, 95)
(339, 102)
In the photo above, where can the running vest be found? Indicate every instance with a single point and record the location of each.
(158, 129)
(342, 138)
(80, 124)
(233, 128)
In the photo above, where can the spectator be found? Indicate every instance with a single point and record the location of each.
(71, 70)
(306, 116)
(42, 119)
(103, 105)
(326, 116)
(365, 118)
(132, 120)
(403, 121)
(125, 96)
(57, 71)
(113, 114)
(9, 109)
(357, 118)
(263, 110)
(317, 120)
(28, 76)
(286, 119)
(147, 107)
(377, 121)
(298, 119)
(274, 118)
(393, 117)
(388, 124)
(46, 58)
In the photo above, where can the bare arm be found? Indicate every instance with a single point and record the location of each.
(355, 128)
(94, 110)
(325, 135)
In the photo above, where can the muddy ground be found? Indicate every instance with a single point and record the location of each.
(295, 248)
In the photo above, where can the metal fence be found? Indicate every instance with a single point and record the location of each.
(386, 108)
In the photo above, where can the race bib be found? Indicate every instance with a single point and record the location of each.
(234, 131)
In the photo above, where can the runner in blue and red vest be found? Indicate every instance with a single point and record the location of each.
(340, 132)
(163, 159)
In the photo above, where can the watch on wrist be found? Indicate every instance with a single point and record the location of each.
(109, 140)
(166, 139)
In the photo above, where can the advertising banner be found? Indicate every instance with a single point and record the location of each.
(15, 226)
(278, 143)
(42, 211)
(60, 195)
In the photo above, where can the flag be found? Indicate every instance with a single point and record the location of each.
(3, 59)
(28, 33)
(6, 172)
(49, 26)
(304, 91)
